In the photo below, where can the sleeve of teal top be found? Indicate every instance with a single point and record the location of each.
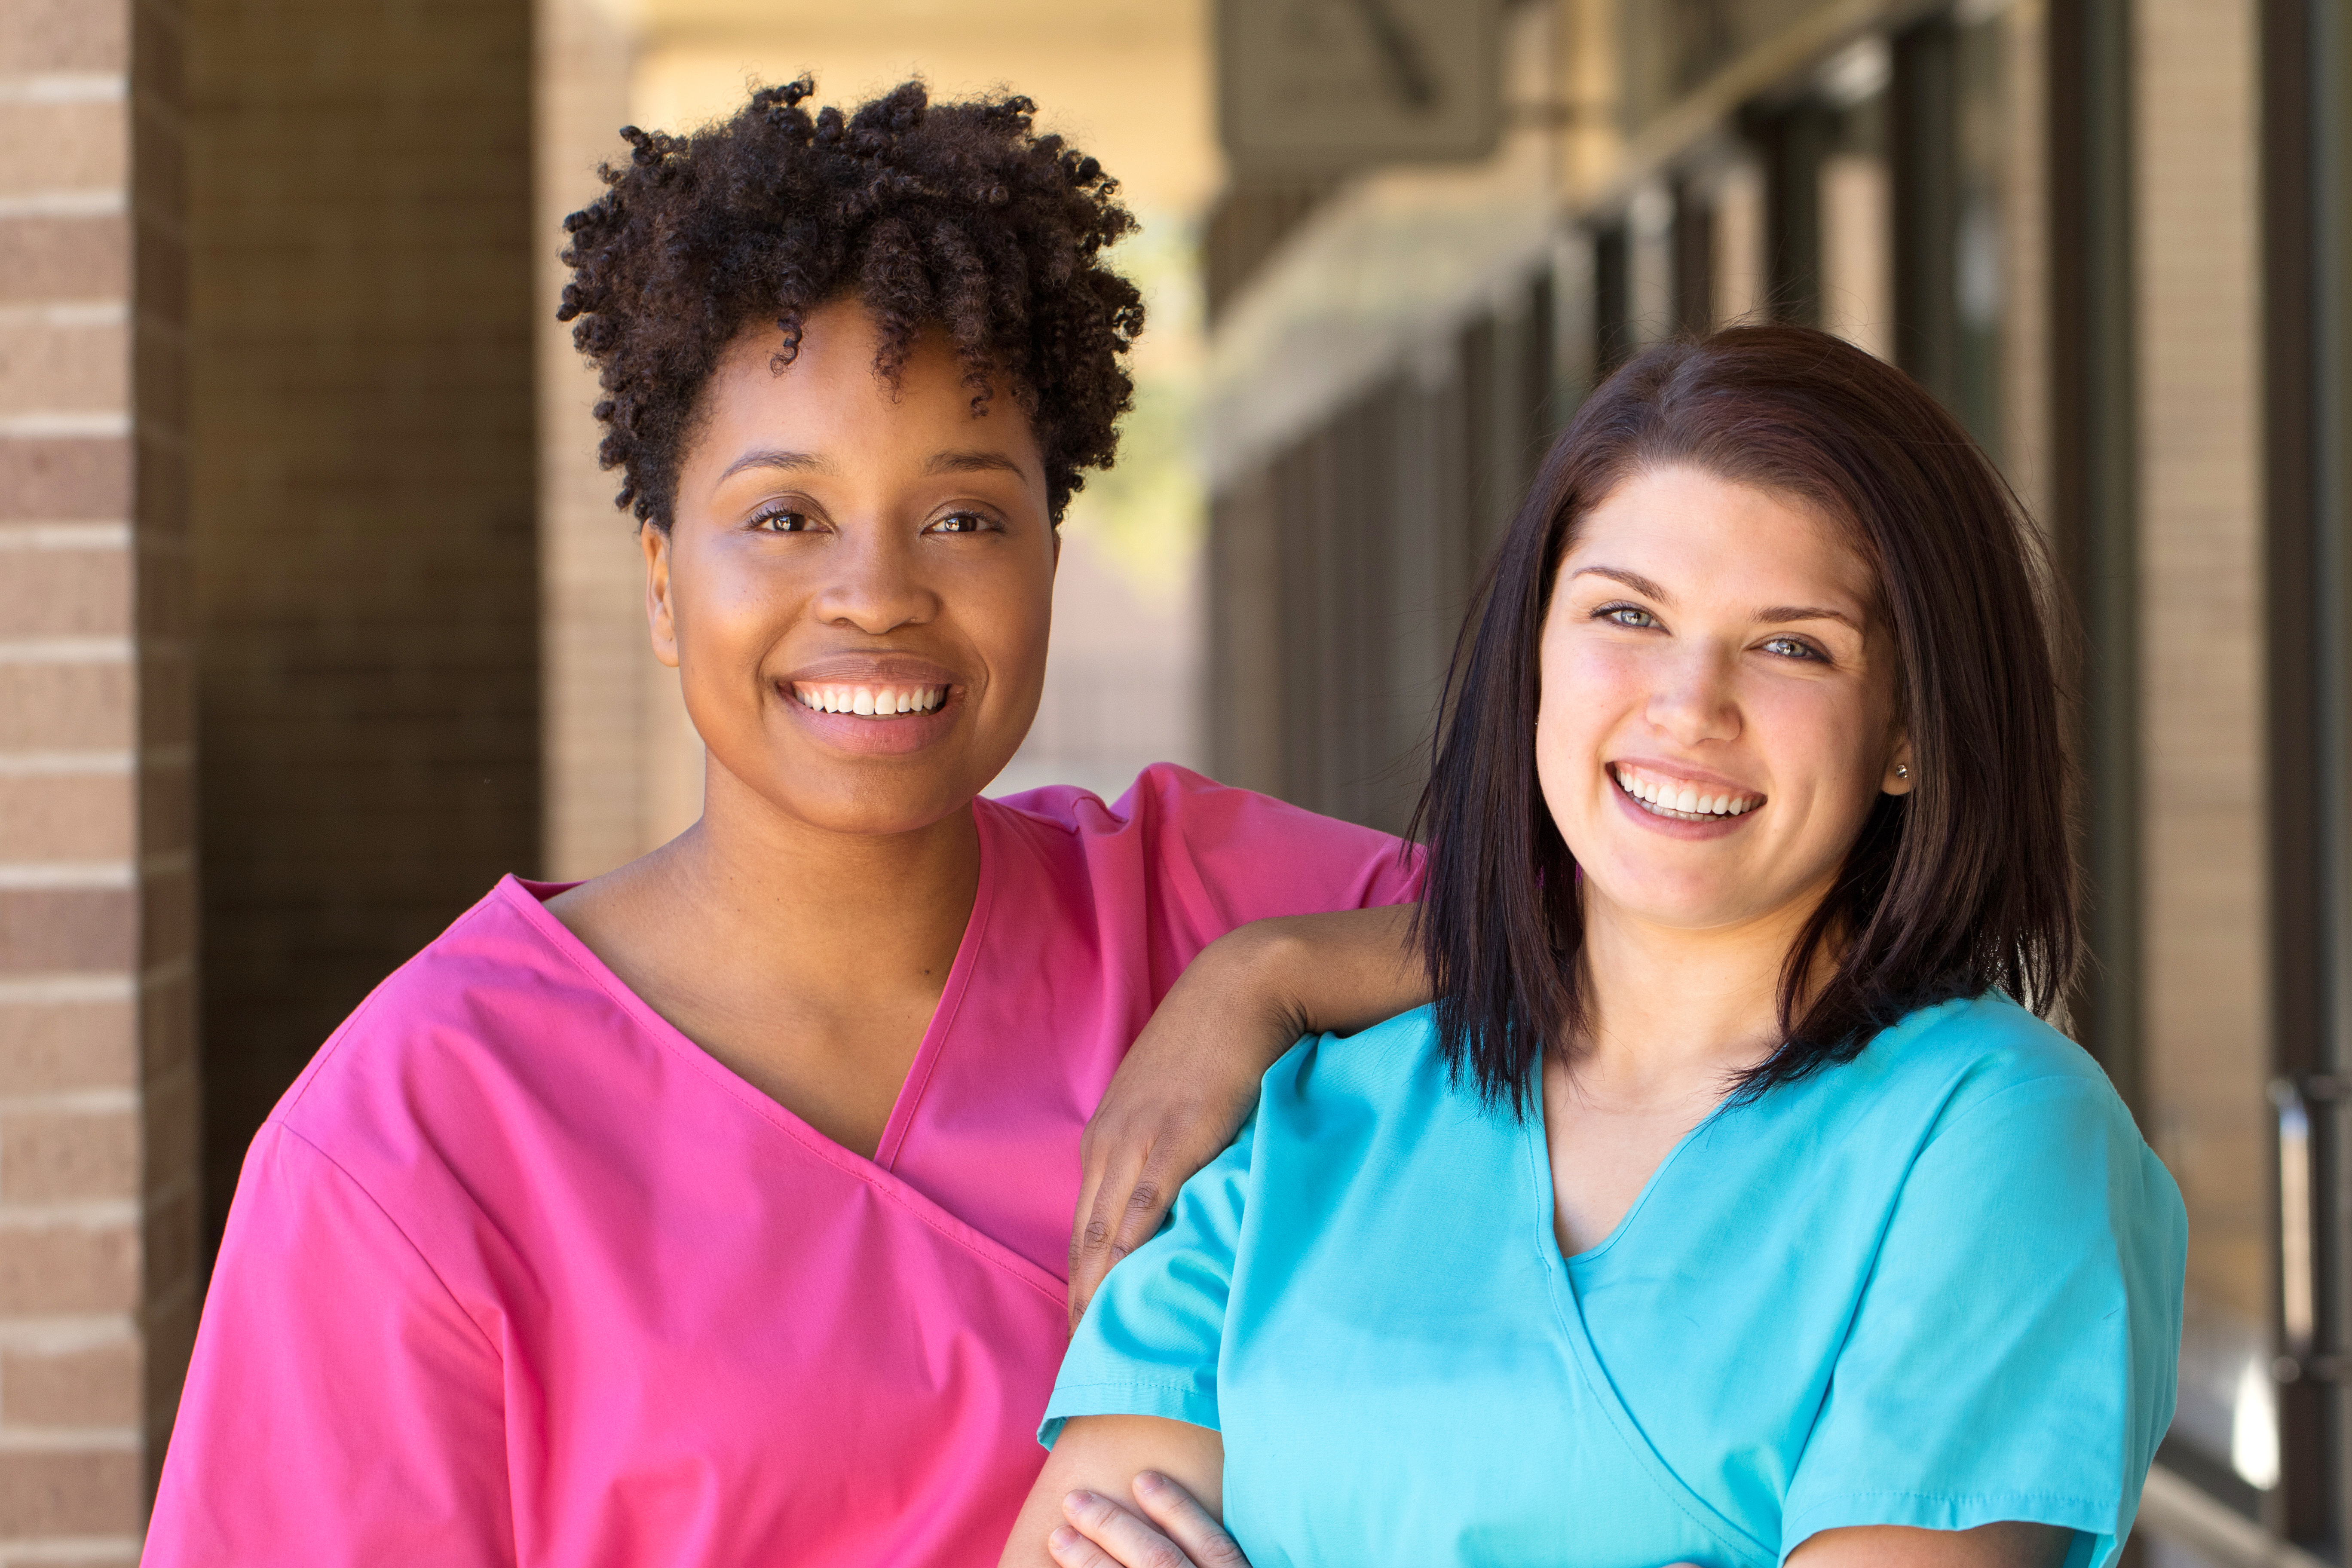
(1149, 1344)
(2012, 1354)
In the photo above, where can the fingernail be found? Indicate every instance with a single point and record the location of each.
(1080, 1499)
(1149, 1480)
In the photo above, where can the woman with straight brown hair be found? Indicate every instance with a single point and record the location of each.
(1732, 1202)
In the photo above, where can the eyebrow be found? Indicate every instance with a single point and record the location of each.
(1771, 615)
(973, 462)
(1634, 580)
(1776, 613)
(957, 462)
(789, 462)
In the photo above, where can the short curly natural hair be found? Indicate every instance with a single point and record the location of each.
(954, 216)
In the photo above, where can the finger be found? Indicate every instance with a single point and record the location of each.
(1090, 1181)
(1131, 1542)
(1192, 1527)
(1072, 1550)
(1149, 1199)
(1095, 1243)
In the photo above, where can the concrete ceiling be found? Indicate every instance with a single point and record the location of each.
(1129, 80)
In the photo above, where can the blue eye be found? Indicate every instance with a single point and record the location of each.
(1631, 615)
(1793, 648)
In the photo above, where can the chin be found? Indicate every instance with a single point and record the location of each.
(881, 807)
(866, 797)
(1682, 903)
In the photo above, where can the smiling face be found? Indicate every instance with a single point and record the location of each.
(857, 581)
(1718, 703)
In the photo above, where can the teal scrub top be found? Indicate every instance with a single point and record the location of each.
(1938, 1285)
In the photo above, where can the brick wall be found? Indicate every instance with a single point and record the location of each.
(97, 1091)
(362, 485)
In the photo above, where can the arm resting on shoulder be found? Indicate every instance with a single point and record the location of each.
(1192, 1075)
(1089, 1492)
(2012, 1544)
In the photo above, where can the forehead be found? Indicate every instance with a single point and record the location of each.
(1702, 536)
(831, 394)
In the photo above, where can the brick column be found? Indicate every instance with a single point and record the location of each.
(98, 1102)
(361, 485)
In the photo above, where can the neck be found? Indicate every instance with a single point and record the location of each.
(1673, 1012)
(816, 902)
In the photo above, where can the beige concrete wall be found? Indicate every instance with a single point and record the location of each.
(2025, 258)
(97, 1090)
(621, 772)
(2207, 1046)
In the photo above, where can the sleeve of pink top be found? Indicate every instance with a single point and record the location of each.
(1230, 855)
(381, 1442)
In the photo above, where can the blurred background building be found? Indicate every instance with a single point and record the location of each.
(315, 616)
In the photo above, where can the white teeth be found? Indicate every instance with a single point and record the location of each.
(1682, 801)
(882, 701)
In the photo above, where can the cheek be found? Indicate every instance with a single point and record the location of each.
(1811, 735)
(717, 601)
(1586, 693)
(1589, 685)
(1011, 613)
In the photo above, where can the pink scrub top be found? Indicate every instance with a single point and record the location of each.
(518, 1274)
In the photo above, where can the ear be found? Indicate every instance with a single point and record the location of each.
(1901, 773)
(659, 619)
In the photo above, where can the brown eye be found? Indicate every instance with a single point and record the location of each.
(781, 519)
(961, 523)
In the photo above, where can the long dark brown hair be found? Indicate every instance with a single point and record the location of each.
(1965, 884)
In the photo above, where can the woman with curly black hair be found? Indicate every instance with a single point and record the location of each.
(715, 1210)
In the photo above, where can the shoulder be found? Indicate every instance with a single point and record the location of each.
(1167, 800)
(1961, 1057)
(463, 1025)
(1391, 1071)
(2001, 1112)
(1248, 853)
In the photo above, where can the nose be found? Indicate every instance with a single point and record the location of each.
(1693, 700)
(876, 583)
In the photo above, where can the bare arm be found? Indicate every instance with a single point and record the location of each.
(1095, 1468)
(2009, 1544)
(1168, 1530)
(1188, 1082)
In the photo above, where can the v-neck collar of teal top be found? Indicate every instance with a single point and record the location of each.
(1537, 1134)
(1559, 1274)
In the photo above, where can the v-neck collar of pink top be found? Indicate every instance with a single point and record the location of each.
(518, 1274)
(529, 901)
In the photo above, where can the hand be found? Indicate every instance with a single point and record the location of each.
(1190, 1080)
(1175, 1530)
(1185, 1088)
